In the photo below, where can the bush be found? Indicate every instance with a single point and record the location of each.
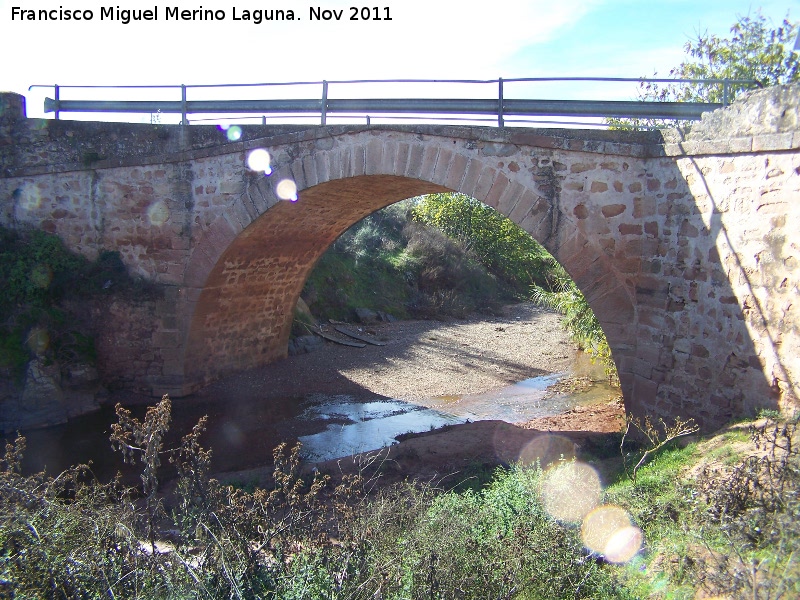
(387, 262)
(74, 537)
(39, 277)
(499, 244)
(579, 319)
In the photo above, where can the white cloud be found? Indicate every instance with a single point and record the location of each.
(423, 39)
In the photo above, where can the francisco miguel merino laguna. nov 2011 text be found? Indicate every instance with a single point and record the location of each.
(175, 13)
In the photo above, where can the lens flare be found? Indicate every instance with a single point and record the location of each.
(287, 190)
(607, 530)
(158, 213)
(234, 133)
(29, 198)
(624, 545)
(570, 491)
(223, 126)
(233, 434)
(259, 160)
(547, 449)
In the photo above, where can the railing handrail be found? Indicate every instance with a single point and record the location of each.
(501, 105)
(712, 81)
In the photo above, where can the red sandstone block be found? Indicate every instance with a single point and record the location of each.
(644, 390)
(457, 172)
(166, 339)
(523, 207)
(415, 153)
(612, 210)
(429, 157)
(297, 175)
(484, 184)
(401, 163)
(495, 193)
(471, 177)
(310, 171)
(388, 164)
(374, 156)
(510, 197)
(442, 166)
(536, 140)
(630, 229)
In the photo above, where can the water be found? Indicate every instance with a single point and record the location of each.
(353, 426)
(356, 427)
(242, 433)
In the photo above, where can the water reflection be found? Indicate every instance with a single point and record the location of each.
(356, 427)
(243, 433)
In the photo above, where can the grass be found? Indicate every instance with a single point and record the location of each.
(488, 536)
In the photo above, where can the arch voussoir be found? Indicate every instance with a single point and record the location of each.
(443, 164)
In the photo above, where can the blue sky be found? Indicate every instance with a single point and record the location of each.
(425, 39)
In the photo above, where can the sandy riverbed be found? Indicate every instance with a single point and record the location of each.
(426, 359)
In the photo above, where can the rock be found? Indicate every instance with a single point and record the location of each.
(80, 374)
(302, 311)
(366, 315)
(80, 402)
(49, 397)
(42, 402)
(304, 344)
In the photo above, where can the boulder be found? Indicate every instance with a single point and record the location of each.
(304, 344)
(42, 402)
(366, 315)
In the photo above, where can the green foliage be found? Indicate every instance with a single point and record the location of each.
(579, 319)
(755, 51)
(385, 262)
(509, 252)
(725, 528)
(731, 532)
(73, 537)
(38, 276)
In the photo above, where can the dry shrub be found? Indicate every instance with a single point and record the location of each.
(750, 519)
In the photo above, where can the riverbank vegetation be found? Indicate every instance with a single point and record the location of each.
(44, 301)
(447, 255)
(717, 516)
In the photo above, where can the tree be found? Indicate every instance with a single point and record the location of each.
(498, 243)
(755, 51)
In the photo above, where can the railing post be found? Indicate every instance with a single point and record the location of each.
(324, 102)
(57, 101)
(500, 122)
(184, 121)
(725, 92)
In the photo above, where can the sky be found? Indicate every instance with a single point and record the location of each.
(425, 39)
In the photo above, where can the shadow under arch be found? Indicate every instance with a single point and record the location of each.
(243, 315)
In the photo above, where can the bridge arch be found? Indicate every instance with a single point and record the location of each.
(681, 242)
(248, 272)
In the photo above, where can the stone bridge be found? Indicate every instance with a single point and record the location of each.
(685, 246)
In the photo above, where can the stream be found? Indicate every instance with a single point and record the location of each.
(243, 434)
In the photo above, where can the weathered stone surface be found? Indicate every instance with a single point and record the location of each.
(685, 249)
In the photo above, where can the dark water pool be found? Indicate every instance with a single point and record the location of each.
(243, 434)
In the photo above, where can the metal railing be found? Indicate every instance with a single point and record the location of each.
(500, 108)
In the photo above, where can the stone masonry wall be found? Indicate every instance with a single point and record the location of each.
(686, 250)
